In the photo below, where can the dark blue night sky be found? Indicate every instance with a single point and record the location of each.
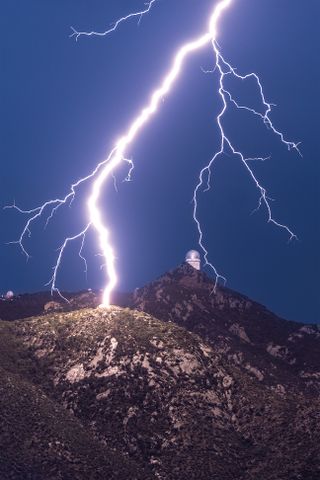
(65, 103)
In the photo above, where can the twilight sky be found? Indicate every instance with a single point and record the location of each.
(65, 103)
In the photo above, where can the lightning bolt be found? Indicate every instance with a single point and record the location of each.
(76, 34)
(105, 169)
(225, 69)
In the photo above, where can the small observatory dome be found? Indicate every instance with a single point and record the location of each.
(9, 295)
(194, 259)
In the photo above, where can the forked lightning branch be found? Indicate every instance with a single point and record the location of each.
(121, 151)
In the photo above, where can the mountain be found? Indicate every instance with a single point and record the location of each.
(190, 382)
(268, 348)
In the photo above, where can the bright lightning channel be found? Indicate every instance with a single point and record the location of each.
(106, 168)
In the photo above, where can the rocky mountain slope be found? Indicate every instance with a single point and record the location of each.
(39, 438)
(207, 385)
(276, 352)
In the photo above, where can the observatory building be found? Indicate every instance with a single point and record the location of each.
(194, 259)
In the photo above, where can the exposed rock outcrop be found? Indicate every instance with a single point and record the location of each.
(207, 385)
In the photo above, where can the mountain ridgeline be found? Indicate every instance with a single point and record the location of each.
(181, 381)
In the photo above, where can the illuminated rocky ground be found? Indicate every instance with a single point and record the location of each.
(232, 392)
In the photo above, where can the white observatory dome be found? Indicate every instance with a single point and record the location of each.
(194, 259)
